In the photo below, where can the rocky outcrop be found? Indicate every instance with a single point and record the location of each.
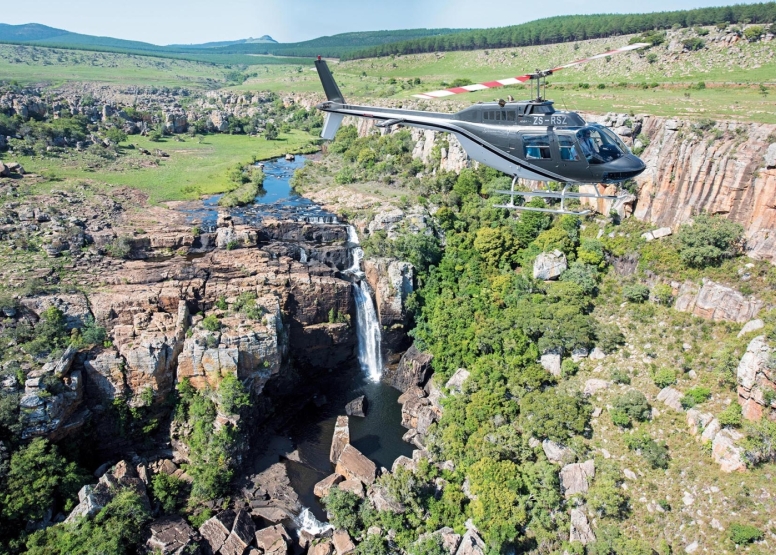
(580, 527)
(342, 542)
(356, 407)
(716, 302)
(273, 540)
(392, 282)
(471, 544)
(671, 398)
(756, 379)
(93, 498)
(413, 369)
(726, 453)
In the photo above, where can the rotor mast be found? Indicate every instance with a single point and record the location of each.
(540, 76)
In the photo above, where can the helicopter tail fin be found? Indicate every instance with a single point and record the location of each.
(333, 120)
(327, 80)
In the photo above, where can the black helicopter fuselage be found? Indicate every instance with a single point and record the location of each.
(527, 140)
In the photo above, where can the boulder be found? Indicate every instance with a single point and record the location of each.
(321, 489)
(414, 369)
(342, 542)
(382, 500)
(355, 466)
(770, 156)
(575, 478)
(711, 431)
(353, 486)
(471, 544)
(455, 383)
(751, 326)
(356, 407)
(697, 420)
(551, 362)
(671, 398)
(172, 535)
(550, 265)
(580, 527)
(657, 234)
(404, 462)
(340, 439)
(556, 452)
(324, 547)
(216, 529)
(726, 453)
(273, 540)
(594, 385)
(4, 171)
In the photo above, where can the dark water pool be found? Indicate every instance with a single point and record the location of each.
(378, 435)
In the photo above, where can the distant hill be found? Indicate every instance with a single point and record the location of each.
(569, 28)
(28, 32)
(266, 39)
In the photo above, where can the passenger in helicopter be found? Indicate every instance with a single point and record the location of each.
(589, 147)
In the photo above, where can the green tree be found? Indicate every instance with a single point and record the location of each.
(232, 394)
(343, 506)
(709, 240)
(554, 415)
(499, 510)
(496, 245)
(38, 478)
(270, 132)
(166, 490)
(634, 404)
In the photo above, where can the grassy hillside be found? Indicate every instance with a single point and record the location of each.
(577, 27)
(731, 75)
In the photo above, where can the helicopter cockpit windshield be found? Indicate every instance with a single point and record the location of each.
(599, 144)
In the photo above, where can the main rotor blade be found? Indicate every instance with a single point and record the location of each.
(523, 78)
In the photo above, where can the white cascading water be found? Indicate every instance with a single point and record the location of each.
(306, 521)
(302, 256)
(370, 354)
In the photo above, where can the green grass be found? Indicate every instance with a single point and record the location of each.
(193, 168)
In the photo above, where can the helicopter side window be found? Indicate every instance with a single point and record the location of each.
(537, 147)
(568, 149)
(511, 115)
(484, 116)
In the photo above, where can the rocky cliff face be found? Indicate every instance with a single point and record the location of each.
(693, 167)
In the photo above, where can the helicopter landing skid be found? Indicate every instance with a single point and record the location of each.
(562, 195)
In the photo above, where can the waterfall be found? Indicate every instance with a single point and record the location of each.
(370, 354)
(306, 521)
(302, 256)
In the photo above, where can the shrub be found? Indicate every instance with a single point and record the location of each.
(656, 454)
(620, 418)
(664, 377)
(211, 323)
(270, 132)
(345, 176)
(754, 32)
(609, 338)
(636, 293)
(741, 534)
(709, 240)
(731, 416)
(568, 368)
(166, 489)
(232, 394)
(120, 247)
(760, 442)
(695, 396)
(634, 404)
(620, 376)
(93, 334)
(693, 43)
(663, 294)
(343, 507)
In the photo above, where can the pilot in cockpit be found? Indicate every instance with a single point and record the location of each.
(588, 146)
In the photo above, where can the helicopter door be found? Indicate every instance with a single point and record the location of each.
(540, 149)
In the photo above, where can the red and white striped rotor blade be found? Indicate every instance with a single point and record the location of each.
(604, 55)
(522, 78)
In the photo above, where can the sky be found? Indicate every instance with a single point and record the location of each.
(198, 21)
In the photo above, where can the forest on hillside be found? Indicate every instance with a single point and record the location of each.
(574, 27)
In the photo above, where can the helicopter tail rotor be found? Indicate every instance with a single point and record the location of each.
(539, 75)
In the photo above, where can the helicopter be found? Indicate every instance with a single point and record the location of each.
(527, 140)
